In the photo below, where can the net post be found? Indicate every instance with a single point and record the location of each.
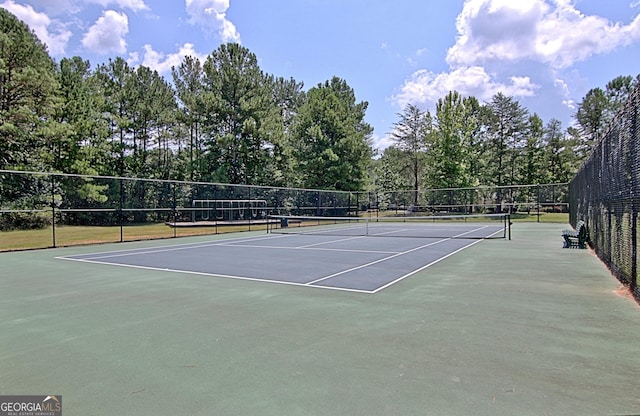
(508, 219)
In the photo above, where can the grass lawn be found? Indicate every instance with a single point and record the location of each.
(547, 217)
(78, 235)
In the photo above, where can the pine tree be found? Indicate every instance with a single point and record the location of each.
(332, 140)
(28, 94)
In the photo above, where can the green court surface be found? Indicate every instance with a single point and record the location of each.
(520, 327)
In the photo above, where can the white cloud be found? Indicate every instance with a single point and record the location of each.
(212, 16)
(380, 143)
(425, 88)
(563, 87)
(135, 5)
(163, 62)
(557, 34)
(51, 32)
(107, 33)
(544, 37)
(55, 7)
(134, 59)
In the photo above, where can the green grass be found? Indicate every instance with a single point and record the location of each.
(82, 235)
(79, 235)
(546, 217)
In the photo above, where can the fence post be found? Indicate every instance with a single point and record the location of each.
(120, 215)
(53, 210)
(248, 214)
(634, 247)
(538, 201)
(175, 208)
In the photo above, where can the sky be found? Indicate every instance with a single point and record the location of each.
(547, 54)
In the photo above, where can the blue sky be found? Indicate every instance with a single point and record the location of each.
(545, 53)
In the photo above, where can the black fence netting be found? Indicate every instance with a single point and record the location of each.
(530, 199)
(70, 209)
(39, 209)
(605, 194)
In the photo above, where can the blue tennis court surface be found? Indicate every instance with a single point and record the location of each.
(360, 264)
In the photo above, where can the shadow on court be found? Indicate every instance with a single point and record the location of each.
(502, 327)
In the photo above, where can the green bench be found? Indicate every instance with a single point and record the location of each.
(576, 238)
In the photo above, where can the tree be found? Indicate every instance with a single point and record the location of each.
(559, 153)
(28, 93)
(154, 108)
(388, 171)
(598, 108)
(618, 91)
(332, 140)
(188, 82)
(448, 155)
(505, 133)
(388, 179)
(411, 136)
(473, 132)
(533, 153)
(592, 116)
(114, 81)
(79, 145)
(73, 113)
(241, 122)
(288, 97)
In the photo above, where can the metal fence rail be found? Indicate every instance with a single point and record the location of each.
(38, 200)
(532, 199)
(123, 209)
(605, 193)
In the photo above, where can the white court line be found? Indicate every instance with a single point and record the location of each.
(178, 247)
(330, 228)
(236, 242)
(477, 229)
(225, 276)
(377, 261)
(432, 263)
(441, 225)
(230, 242)
(406, 252)
(332, 241)
(393, 282)
(389, 232)
(311, 248)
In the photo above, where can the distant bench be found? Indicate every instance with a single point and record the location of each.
(576, 238)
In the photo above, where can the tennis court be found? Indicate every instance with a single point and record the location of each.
(517, 326)
(335, 254)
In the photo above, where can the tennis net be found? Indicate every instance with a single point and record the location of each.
(480, 226)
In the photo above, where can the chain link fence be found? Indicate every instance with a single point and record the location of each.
(53, 209)
(605, 194)
(77, 209)
(525, 199)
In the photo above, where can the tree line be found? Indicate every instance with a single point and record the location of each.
(220, 120)
(465, 143)
(225, 120)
